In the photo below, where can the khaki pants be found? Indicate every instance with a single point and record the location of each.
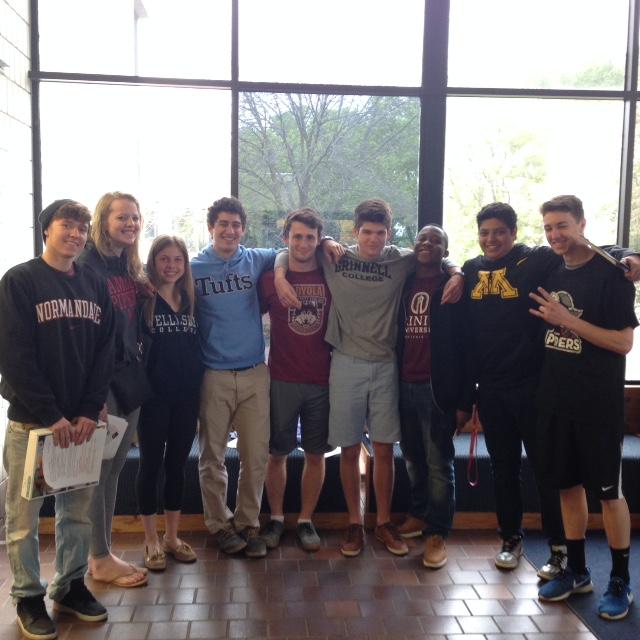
(233, 400)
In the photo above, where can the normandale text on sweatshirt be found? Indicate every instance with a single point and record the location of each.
(68, 308)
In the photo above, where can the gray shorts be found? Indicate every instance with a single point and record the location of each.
(309, 403)
(362, 392)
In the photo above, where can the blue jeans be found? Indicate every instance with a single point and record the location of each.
(73, 527)
(427, 446)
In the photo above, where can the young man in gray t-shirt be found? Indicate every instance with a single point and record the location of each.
(366, 286)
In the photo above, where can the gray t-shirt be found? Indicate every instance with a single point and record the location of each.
(365, 299)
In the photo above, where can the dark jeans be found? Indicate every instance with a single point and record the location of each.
(427, 446)
(166, 430)
(509, 418)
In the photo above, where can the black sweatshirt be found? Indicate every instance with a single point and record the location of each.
(56, 343)
(175, 364)
(504, 348)
(123, 291)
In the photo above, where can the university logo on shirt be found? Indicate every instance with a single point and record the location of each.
(68, 308)
(559, 338)
(418, 320)
(309, 318)
(493, 283)
(123, 295)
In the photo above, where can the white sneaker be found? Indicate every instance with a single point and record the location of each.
(509, 556)
(555, 564)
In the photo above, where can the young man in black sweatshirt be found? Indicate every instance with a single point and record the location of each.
(56, 359)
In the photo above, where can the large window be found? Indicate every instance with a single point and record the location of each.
(167, 146)
(524, 151)
(330, 152)
(190, 38)
(358, 42)
(438, 106)
(546, 44)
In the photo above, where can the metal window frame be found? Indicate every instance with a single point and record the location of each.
(433, 93)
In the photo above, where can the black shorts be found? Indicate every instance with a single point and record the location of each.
(574, 453)
(309, 403)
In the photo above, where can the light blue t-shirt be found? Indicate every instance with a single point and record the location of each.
(228, 309)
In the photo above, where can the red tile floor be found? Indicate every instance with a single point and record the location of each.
(292, 594)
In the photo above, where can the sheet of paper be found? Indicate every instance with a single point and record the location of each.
(77, 464)
(116, 427)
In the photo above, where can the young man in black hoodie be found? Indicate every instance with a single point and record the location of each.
(56, 359)
(505, 358)
(430, 359)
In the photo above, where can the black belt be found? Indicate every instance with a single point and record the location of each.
(251, 366)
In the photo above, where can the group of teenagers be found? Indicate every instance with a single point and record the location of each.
(400, 343)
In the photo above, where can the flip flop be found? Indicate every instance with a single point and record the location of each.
(134, 567)
(126, 582)
(138, 569)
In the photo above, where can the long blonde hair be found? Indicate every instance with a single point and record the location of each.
(184, 283)
(101, 238)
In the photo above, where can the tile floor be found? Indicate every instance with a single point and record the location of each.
(295, 595)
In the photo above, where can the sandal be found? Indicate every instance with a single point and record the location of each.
(154, 558)
(182, 553)
(137, 578)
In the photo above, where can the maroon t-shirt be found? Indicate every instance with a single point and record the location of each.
(416, 355)
(298, 351)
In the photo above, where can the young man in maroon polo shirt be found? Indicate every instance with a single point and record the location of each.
(299, 361)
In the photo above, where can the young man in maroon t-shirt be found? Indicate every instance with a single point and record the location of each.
(430, 363)
(299, 363)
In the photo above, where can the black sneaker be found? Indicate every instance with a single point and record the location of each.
(80, 603)
(272, 532)
(308, 536)
(33, 619)
(256, 546)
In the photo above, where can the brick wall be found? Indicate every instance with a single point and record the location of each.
(16, 226)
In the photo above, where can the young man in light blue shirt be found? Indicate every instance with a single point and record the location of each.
(235, 388)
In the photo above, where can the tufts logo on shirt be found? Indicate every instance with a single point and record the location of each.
(493, 283)
(308, 319)
(233, 282)
(68, 308)
(562, 339)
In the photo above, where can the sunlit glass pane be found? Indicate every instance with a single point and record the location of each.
(332, 41)
(190, 38)
(169, 147)
(544, 44)
(525, 152)
(330, 153)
